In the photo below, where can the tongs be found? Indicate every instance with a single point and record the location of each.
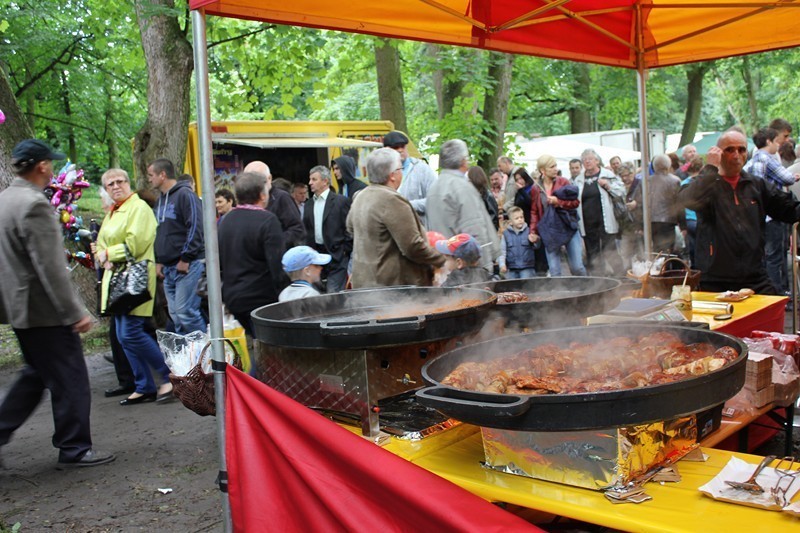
(751, 485)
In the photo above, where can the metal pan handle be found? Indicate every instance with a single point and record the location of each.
(371, 327)
(453, 401)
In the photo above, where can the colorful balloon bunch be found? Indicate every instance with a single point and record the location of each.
(64, 190)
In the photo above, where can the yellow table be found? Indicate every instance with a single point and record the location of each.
(757, 312)
(676, 507)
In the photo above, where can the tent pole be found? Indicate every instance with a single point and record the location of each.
(644, 137)
(644, 147)
(210, 236)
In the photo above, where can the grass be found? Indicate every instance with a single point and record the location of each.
(95, 341)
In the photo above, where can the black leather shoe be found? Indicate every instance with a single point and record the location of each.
(119, 391)
(90, 458)
(166, 397)
(144, 398)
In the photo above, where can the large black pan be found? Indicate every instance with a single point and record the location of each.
(374, 318)
(556, 302)
(567, 412)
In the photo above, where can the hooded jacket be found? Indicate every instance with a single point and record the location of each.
(179, 236)
(347, 166)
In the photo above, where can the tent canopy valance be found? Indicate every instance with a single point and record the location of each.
(607, 32)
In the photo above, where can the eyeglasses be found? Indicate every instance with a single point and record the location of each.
(112, 184)
(398, 168)
(735, 149)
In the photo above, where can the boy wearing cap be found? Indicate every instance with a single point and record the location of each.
(417, 175)
(463, 260)
(304, 266)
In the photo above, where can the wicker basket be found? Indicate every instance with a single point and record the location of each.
(660, 286)
(195, 390)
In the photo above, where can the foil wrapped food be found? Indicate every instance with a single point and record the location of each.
(598, 460)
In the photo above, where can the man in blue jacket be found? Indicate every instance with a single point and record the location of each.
(179, 248)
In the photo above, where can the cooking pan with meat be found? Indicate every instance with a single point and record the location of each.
(592, 377)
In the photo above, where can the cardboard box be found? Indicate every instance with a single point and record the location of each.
(709, 421)
(759, 371)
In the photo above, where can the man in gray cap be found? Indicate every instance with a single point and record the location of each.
(38, 300)
(417, 175)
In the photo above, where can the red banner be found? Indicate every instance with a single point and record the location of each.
(290, 469)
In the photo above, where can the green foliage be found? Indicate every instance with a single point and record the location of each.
(88, 53)
(84, 53)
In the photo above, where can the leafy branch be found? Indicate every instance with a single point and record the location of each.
(67, 51)
(263, 28)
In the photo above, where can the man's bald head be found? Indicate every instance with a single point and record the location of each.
(258, 167)
(731, 135)
(733, 145)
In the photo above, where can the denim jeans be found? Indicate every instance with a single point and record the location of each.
(182, 298)
(523, 273)
(574, 257)
(775, 249)
(142, 352)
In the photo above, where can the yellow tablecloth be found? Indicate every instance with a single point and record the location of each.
(757, 312)
(675, 507)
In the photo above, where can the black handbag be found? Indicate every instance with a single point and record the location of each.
(127, 288)
(621, 212)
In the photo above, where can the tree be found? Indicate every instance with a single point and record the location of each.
(495, 108)
(14, 130)
(168, 55)
(695, 73)
(390, 83)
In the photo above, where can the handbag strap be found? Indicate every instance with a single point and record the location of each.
(128, 255)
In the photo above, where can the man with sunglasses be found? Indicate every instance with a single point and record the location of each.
(731, 207)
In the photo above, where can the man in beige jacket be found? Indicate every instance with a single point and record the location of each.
(389, 242)
(38, 300)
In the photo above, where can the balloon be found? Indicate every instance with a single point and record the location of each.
(64, 217)
(2, 116)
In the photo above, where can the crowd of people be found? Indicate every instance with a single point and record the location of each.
(727, 215)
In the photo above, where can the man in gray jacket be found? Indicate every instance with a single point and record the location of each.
(417, 175)
(38, 300)
(455, 205)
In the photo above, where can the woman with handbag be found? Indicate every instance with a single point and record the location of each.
(125, 241)
(558, 225)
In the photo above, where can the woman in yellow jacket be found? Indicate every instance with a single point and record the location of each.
(131, 222)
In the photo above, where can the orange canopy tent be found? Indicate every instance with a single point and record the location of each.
(635, 34)
(607, 32)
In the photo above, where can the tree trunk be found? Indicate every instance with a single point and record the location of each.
(14, 130)
(580, 117)
(390, 84)
(72, 153)
(447, 90)
(495, 108)
(30, 103)
(751, 86)
(113, 151)
(694, 100)
(169, 66)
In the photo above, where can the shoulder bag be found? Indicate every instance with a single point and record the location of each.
(128, 286)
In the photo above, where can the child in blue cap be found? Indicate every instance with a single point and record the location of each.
(304, 266)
